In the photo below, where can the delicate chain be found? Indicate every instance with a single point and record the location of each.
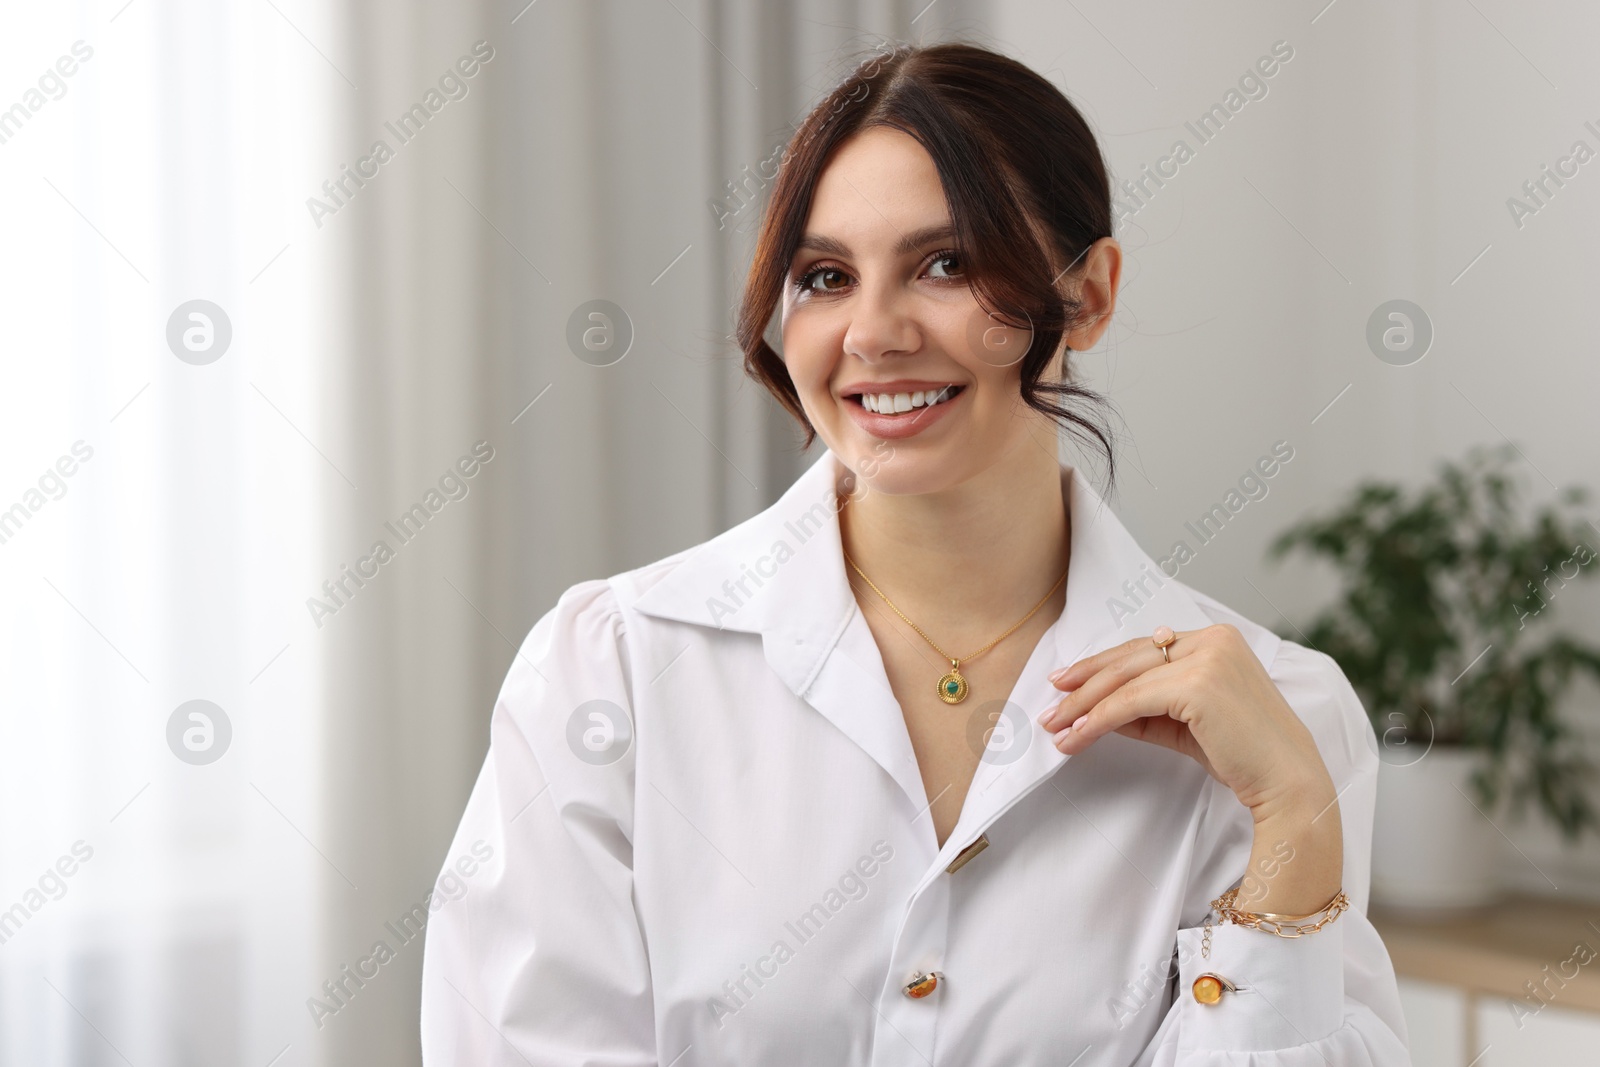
(1281, 925)
(928, 639)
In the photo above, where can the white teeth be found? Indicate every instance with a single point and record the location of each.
(895, 403)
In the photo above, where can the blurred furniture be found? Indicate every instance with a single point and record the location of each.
(1517, 985)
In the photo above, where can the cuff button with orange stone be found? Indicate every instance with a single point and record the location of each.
(922, 984)
(1208, 988)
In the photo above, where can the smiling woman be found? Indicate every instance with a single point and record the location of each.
(963, 277)
(1071, 814)
(1008, 173)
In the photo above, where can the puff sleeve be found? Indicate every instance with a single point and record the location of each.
(541, 959)
(1325, 998)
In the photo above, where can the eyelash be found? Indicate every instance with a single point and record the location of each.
(802, 284)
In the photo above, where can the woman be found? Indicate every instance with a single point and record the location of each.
(758, 803)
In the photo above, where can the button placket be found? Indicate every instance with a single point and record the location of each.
(908, 1022)
(967, 853)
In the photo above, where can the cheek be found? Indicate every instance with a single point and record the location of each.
(979, 342)
(807, 347)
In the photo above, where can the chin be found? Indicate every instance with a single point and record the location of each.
(880, 467)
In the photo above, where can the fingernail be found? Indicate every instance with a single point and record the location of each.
(1061, 736)
(1057, 675)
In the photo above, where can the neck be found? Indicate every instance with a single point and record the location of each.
(967, 562)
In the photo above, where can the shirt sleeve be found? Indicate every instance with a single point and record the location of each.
(538, 957)
(1325, 998)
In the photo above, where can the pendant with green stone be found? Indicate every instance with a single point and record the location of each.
(953, 687)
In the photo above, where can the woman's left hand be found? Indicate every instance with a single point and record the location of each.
(1214, 702)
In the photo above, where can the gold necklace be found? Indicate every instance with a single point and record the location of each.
(953, 687)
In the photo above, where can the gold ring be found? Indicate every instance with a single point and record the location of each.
(1163, 637)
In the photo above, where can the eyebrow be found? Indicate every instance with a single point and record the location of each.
(816, 242)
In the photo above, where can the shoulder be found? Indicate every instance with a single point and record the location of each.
(1311, 681)
(593, 626)
(586, 617)
(568, 702)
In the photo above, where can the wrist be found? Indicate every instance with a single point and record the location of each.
(1296, 861)
(1299, 797)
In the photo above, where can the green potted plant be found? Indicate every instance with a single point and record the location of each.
(1442, 626)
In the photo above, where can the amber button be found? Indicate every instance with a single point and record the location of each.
(1208, 988)
(922, 985)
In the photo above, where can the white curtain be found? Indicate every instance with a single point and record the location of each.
(160, 909)
(243, 347)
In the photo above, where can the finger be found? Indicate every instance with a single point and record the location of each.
(1096, 687)
(1147, 696)
(1074, 676)
(1168, 733)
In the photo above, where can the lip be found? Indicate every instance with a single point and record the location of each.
(896, 427)
(897, 385)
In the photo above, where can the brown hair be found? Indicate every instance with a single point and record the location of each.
(1027, 188)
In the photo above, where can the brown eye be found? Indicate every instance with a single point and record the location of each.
(833, 274)
(947, 258)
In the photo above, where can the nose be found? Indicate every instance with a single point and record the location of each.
(880, 326)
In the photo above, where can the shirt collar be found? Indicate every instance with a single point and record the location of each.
(781, 573)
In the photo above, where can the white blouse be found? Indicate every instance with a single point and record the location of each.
(710, 841)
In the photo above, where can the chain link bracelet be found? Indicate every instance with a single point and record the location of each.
(1281, 925)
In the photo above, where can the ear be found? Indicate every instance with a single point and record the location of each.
(1094, 286)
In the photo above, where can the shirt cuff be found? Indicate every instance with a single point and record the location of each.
(1290, 989)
